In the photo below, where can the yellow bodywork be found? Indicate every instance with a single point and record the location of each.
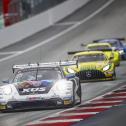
(92, 70)
(112, 54)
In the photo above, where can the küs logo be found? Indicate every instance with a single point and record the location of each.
(28, 90)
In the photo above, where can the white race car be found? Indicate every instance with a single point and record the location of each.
(40, 85)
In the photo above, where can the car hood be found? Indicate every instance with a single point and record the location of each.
(108, 53)
(90, 66)
(34, 87)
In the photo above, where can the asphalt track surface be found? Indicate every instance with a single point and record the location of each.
(110, 22)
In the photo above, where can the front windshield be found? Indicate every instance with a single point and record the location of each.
(113, 43)
(99, 47)
(37, 75)
(90, 58)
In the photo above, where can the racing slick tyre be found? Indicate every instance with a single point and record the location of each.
(79, 92)
(114, 76)
(118, 65)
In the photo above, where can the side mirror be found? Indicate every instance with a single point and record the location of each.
(111, 58)
(69, 76)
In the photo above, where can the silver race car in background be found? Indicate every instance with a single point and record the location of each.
(39, 86)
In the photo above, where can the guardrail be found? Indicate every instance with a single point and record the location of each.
(26, 28)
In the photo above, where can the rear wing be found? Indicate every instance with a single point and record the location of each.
(103, 50)
(107, 39)
(74, 52)
(37, 65)
(67, 63)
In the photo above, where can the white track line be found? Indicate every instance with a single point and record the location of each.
(79, 113)
(61, 33)
(6, 53)
(67, 23)
(55, 121)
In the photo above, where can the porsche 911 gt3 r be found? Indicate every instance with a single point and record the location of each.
(39, 86)
(117, 44)
(107, 49)
(92, 65)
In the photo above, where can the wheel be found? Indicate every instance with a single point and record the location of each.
(118, 65)
(114, 76)
(79, 92)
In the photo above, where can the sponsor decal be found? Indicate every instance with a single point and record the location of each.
(34, 87)
(27, 90)
(67, 102)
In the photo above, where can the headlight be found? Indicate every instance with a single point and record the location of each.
(70, 70)
(7, 90)
(61, 85)
(121, 51)
(106, 68)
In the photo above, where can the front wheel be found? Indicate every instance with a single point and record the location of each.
(114, 76)
(73, 98)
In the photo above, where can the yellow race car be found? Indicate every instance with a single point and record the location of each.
(113, 55)
(91, 65)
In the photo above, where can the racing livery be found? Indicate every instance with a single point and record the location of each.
(92, 65)
(39, 86)
(113, 55)
(117, 44)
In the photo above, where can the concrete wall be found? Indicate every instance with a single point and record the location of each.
(26, 28)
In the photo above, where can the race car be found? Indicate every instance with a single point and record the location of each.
(40, 85)
(117, 44)
(92, 66)
(113, 55)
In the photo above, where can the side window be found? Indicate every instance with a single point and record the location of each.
(18, 77)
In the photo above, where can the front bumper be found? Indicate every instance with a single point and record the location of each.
(92, 75)
(48, 103)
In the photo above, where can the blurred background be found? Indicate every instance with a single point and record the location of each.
(13, 11)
